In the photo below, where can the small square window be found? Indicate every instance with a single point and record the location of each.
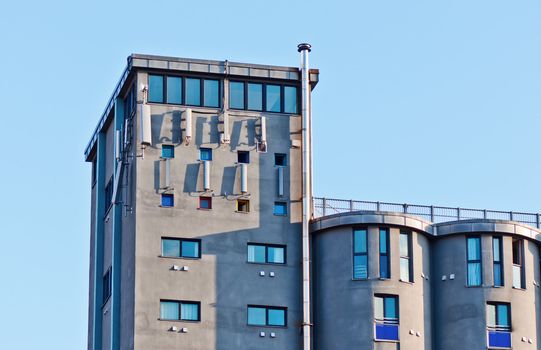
(280, 159)
(168, 151)
(205, 202)
(205, 154)
(168, 200)
(280, 208)
(243, 205)
(243, 157)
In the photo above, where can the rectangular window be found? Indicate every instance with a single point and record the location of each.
(172, 310)
(174, 90)
(384, 263)
(168, 151)
(193, 92)
(290, 99)
(280, 159)
(168, 200)
(497, 258)
(181, 248)
(518, 264)
(236, 95)
(273, 98)
(280, 208)
(243, 157)
(360, 254)
(499, 325)
(109, 194)
(386, 319)
(205, 154)
(266, 253)
(155, 88)
(243, 205)
(205, 203)
(406, 261)
(473, 251)
(211, 93)
(255, 96)
(107, 285)
(94, 171)
(267, 316)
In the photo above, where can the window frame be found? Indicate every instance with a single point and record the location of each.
(107, 286)
(267, 308)
(244, 154)
(497, 328)
(284, 158)
(282, 86)
(246, 202)
(520, 241)
(474, 261)
(167, 195)
(365, 229)
(389, 321)
(386, 254)
(267, 246)
(499, 262)
(408, 257)
(207, 199)
(180, 240)
(205, 149)
(184, 92)
(284, 205)
(168, 147)
(180, 302)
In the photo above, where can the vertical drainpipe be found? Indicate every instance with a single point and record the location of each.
(117, 237)
(304, 50)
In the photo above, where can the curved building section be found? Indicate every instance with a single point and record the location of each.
(393, 281)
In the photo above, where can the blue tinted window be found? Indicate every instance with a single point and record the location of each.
(236, 95)
(277, 317)
(502, 315)
(360, 241)
(360, 266)
(257, 253)
(169, 310)
(360, 254)
(174, 90)
(390, 307)
(386, 317)
(280, 208)
(155, 88)
(167, 200)
(275, 255)
(273, 98)
(205, 202)
(170, 247)
(205, 154)
(189, 311)
(255, 96)
(384, 263)
(290, 99)
(190, 249)
(168, 151)
(193, 91)
(257, 316)
(211, 96)
(474, 261)
(383, 241)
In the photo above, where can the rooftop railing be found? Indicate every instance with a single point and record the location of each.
(435, 214)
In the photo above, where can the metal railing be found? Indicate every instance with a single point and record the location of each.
(435, 214)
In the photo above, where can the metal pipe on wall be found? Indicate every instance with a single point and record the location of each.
(206, 175)
(243, 178)
(304, 49)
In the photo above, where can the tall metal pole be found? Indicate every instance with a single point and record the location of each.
(304, 50)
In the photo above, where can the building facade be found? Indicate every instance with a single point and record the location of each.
(197, 233)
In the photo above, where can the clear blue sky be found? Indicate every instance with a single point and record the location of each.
(419, 101)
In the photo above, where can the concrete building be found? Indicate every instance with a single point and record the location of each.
(201, 201)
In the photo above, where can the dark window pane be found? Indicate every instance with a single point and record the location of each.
(205, 154)
(384, 266)
(277, 317)
(155, 88)
(190, 249)
(211, 96)
(236, 95)
(168, 200)
(273, 98)
(255, 96)
(174, 90)
(257, 316)
(168, 151)
(243, 157)
(290, 99)
(498, 275)
(205, 202)
(360, 241)
(517, 252)
(280, 159)
(360, 268)
(171, 247)
(193, 92)
(280, 208)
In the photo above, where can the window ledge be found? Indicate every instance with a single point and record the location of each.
(178, 257)
(204, 209)
(266, 264)
(166, 206)
(266, 326)
(188, 321)
(406, 282)
(242, 212)
(360, 279)
(521, 289)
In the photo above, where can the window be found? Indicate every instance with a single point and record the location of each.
(243, 157)
(205, 154)
(107, 285)
(518, 264)
(273, 98)
(155, 88)
(497, 258)
(360, 254)
(255, 96)
(172, 310)
(386, 321)
(181, 248)
(406, 262)
(474, 260)
(236, 95)
(168, 200)
(280, 159)
(109, 194)
(290, 99)
(211, 93)
(205, 202)
(94, 171)
(193, 92)
(267, 316)
(280, 208)
(266, 253)
(174, 90)
(384, 263)
(168, 151)
(498, 325)
(243, 205)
